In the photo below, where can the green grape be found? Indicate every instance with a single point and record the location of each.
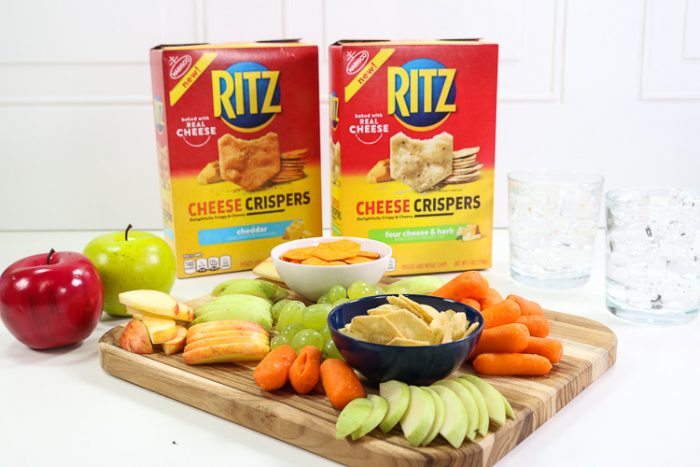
(307, 337)
(316, 316)
(292, 330)
(291, 313)
(277, 308)
(325, 332)
(331, 351)
(336, 292)
(323, 299)
(278, 340)
(296, 305)
(359, 289)
(340, 301)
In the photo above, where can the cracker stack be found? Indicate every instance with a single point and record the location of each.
(465, 168)
(292, 166)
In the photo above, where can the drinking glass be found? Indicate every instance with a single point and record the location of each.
(653, 255)
(553, 219)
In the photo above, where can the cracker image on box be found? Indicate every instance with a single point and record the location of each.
(249, 163)
(335, 162)
(292, 166)
(465, 168)
(164, 167)
(421, 164)
(239, 153)
(416, 122)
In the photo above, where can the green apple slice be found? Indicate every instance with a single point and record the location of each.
(482, 410)
(493, 399)
(418, 419)
(470, 406)
(454, 428)
(397, 395)
(439, 417)
(379, 409)
(352, 417)
(509, 409)
(236, 307)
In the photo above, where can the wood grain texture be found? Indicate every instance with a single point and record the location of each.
(228, 391)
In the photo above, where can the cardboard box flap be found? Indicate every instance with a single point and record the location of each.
(234, 45)
(357, 41)
(162, 46)
(279, 41)
(467, 40)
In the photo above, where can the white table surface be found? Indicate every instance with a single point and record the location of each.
(60, 408)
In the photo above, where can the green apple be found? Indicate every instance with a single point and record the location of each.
(454, 427)
(131, 260)
(397, 395)
(475, 419)
(418, 419)
(493, 399)
(352, 417)
(379, 409)
(439, 417)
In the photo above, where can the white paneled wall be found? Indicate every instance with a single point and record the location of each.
(608, 86)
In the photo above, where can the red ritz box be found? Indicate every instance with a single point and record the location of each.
(238, 150)
(412, 130)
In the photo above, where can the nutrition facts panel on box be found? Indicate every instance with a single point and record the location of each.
(213, 263)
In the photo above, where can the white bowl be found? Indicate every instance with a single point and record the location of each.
(311, 281)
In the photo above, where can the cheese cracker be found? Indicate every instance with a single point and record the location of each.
(249, 163)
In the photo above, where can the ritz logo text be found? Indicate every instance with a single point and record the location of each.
(246, 96)
(421, 93)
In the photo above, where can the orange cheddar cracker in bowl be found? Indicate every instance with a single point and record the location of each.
(311, 266)
(331, 253)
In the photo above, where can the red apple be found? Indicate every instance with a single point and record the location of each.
(53, 300)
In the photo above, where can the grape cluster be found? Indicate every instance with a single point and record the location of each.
(299, 325)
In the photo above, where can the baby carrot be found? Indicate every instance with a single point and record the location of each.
(537, 325)
(511, 364)
(340, 383)
(273, 371)
(472, 303)
(305, 371)
(491, 298)
(512, 337)
(501, 313)
(469, 284)
(545, 346)
(527, 307)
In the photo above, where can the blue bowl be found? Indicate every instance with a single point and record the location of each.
(413, 365)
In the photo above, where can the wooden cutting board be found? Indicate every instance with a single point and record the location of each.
(228, 391)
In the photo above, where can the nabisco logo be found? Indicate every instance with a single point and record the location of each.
(356, 60)
(179, 66)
